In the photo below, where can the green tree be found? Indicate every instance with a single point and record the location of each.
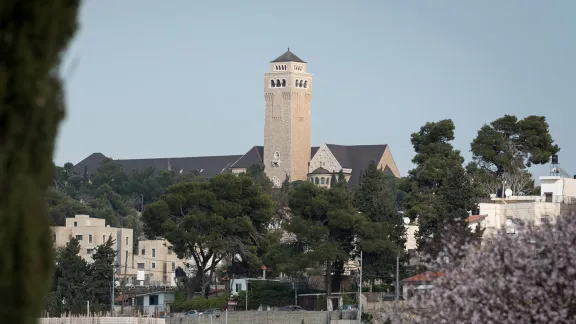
(210, 220)
(33, 36)
(452, 206)
(503, 150)
(101, 276)
(376, 198)
(73, 280)
(435, 158)
(322, 229)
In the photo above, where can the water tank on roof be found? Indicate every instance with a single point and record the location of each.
(554, 158)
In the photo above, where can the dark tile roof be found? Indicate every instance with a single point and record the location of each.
(320, 171)
(357, 158)
(208, 165)
(288, 57)
(254, 156)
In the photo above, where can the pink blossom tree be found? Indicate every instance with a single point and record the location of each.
(512, 278)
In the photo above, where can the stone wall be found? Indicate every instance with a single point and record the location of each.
(102, 320)
(253, 317)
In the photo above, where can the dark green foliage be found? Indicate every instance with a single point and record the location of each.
(33, 35)
(504, 149)
(435, 157)
(73, 280)
(101, 276)
(384, 239)
(267, 293)
(211, 220)
(452, 205)
(323, 226)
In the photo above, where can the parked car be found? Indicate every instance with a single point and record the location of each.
(348, 308)
(212, 311)
(291, 308)
(193, 313)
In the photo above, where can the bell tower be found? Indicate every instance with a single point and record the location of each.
(287, 91)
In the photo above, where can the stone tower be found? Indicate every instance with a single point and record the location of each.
(287, 90)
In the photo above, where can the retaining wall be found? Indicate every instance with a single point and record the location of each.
(252, 317)
(102, 320)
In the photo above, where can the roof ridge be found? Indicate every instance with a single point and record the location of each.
(178, 157)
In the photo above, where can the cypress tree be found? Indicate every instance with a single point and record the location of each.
(33, 35)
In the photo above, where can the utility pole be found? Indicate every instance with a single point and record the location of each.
(124, 284)
(397, 276)
(113, 284)
(360, 292)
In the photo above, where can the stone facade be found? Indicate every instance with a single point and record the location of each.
(287, 91)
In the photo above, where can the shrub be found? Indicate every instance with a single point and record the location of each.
(180, 303)
(522, 278)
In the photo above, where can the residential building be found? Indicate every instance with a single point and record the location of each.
(419, 284)
(158, 262)
(154, 257)
(287, 150)
(558, 197)
(91, 232)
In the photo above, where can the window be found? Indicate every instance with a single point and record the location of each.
(75, 224)
(141, 266)
(173, 266)
(305, 84)
(272, 84)
(548, 196)
(143, 252)
(278, 83)
(89, 251)
(300, 84)
(89, 238)
(153, 265)
(327, 181)
(283, 82)
(153, 253)
(238, 287)
(103, 238)
(316, 181)
(79, 237)
(296, 84)
(127, 241)
(153, 300)
(322, 181)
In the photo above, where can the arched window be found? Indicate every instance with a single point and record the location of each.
(283, 82)
(300, 84)
(296, 85)
(276, 155)
(272, 84)
(278, 83)
(277, 67)
(327, 181)
(305, 84)
(285, 68)
(316, 181)
(322, 181)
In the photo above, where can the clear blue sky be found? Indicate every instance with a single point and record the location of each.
(184, 78)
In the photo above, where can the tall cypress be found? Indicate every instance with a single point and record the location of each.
(33, 35)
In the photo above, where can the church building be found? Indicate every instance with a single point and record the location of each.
(287, 150)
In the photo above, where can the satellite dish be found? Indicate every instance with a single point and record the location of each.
(508, 192)
(117, 283)
(406, 220)
(508, 222)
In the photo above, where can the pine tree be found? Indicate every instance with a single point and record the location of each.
(33, 35)
(449, 222)
(101, 275)
(72, 289)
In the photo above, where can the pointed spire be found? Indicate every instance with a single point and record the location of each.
(288, 57)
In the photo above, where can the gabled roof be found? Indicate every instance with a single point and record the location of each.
(254, 156)
(476, 218)
(321, 171)
(209, 166)
(424, 277)
(288, 57)
(357, 158)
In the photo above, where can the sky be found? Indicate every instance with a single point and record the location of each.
(148, 78)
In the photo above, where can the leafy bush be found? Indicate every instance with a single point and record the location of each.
(522, 278)
(266, 293)
(180, 303)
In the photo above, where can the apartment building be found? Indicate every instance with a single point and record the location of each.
(154, 257)
(91, 232)
(158, 262)
(558, 197)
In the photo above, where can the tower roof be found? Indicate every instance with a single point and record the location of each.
(288, 57)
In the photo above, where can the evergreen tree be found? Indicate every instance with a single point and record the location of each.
(32, 38)
(72, 287)
(452, 205)
(375, 197)
(101, 276)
